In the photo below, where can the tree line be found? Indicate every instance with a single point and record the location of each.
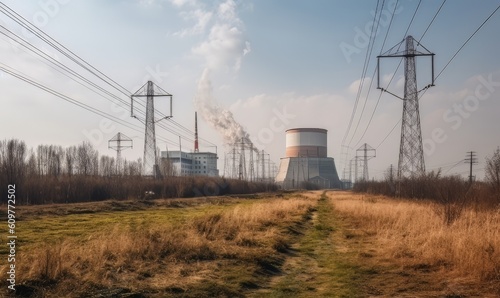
(53, 174)
(453, 193)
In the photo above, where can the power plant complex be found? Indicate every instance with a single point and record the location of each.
(306, 162)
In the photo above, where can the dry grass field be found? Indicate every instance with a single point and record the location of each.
(411, 242)
(307, 244)
(192, 248)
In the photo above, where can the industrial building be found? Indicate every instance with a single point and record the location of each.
(178, 163)
(306, 160)
(191, 163)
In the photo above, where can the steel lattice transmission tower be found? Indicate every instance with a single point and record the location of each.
(411, 154)
(368, 153)
(119, 142)
(148, 90)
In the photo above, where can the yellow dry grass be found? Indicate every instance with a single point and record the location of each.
(413, 233)
(180, 255)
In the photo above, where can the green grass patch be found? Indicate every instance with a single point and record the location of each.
(320, 268)
(50, 229)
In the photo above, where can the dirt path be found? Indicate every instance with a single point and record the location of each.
(318, 263)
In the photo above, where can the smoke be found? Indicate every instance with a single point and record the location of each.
(223, 49)
(221, 119)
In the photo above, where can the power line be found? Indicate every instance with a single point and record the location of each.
(392, 78)
(468, 39)
(412, 18)
(363, 75)
(452, 58)
(443, 165)
(390, 132)
(70, 100)
(76, 59)
(458, 51)
(53, 62)
(370, 86)
(380, 96)
(461, 161)
(432, 21)
(60, 48)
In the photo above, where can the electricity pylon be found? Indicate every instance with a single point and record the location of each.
(368, 153)
(411, 154)
(150, 161)
(119, 142)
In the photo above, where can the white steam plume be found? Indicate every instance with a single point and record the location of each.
(221, 119)
(223, 49)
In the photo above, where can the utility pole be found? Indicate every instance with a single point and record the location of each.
(233, 172)
(350, 173)
(148, 91)
(391, 175)
(263, 166)
(411, 154)
(196, 149)
(471, 158)
(270, 175)
(356, 169)
(242, 168)
(180, 156)
(368, 153)
(252, 168)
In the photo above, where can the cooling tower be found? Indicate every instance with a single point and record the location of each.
(306, 163)
(306, 142)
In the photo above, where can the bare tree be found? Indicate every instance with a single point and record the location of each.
(71, 157)
(87, 159)
(50, 160)
(107, 166)
(42, 159)
(55, 162)
(493, 172)
(166, 167)
(134, 168)
(12, 156)
(31, 165)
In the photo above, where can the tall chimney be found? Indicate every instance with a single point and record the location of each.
(196, 149)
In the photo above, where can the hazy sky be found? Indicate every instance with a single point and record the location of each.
(274, 64)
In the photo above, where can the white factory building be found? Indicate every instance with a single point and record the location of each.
(306, 160)
(192, 163)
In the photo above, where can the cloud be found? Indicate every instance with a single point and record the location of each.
(180, 3)
(224, 47)
(150, 3)
(353, 88)
(227, 11)
(202, 18)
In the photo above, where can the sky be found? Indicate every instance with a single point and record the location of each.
(262, 66)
